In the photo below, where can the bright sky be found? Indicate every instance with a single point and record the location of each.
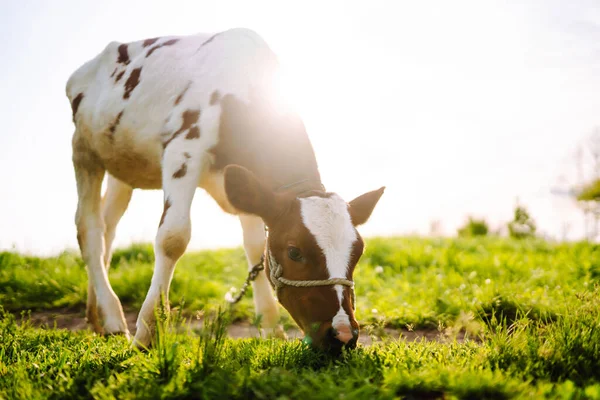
(457, 107)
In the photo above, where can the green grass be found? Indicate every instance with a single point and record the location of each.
(532, 308)
(424, 283)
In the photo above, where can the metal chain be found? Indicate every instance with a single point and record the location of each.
(252, 274)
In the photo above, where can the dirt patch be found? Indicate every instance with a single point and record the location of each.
(75, 320)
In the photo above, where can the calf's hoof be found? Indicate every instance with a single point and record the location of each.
(93, 321)
(116, 326)
(125, 334)
(143, 339)
(276, 332)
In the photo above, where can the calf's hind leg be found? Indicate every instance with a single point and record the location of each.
(90, 236)
(114, 204)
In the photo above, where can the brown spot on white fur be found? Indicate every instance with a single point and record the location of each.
(132, 82)
(113, 73)
(180, 97)
(190, 117)
(164, 214)
(113, 126)
(123, 54)
(119, 76)
(180, 173)
(169, 42)
(75, 104)
(193, 133)
(149, 42)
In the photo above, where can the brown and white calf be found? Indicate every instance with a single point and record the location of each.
(179, 113)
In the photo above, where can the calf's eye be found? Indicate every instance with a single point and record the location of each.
(295, 254)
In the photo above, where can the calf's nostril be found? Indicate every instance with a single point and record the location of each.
(344, 334)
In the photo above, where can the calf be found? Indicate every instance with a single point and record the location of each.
(177, 113)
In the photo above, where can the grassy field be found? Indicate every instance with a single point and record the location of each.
(530, 311)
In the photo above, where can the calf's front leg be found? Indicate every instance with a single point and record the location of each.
(181, 172)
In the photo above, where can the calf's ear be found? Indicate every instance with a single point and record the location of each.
(361, 207)
(248, 194)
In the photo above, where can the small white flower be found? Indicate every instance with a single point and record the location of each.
(374, 311)
(379, 269)
(228, 297)
(488, 281)
(232, 290)
(462, 286)
(472, 275)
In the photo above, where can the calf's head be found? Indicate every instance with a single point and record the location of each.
(311, 238)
